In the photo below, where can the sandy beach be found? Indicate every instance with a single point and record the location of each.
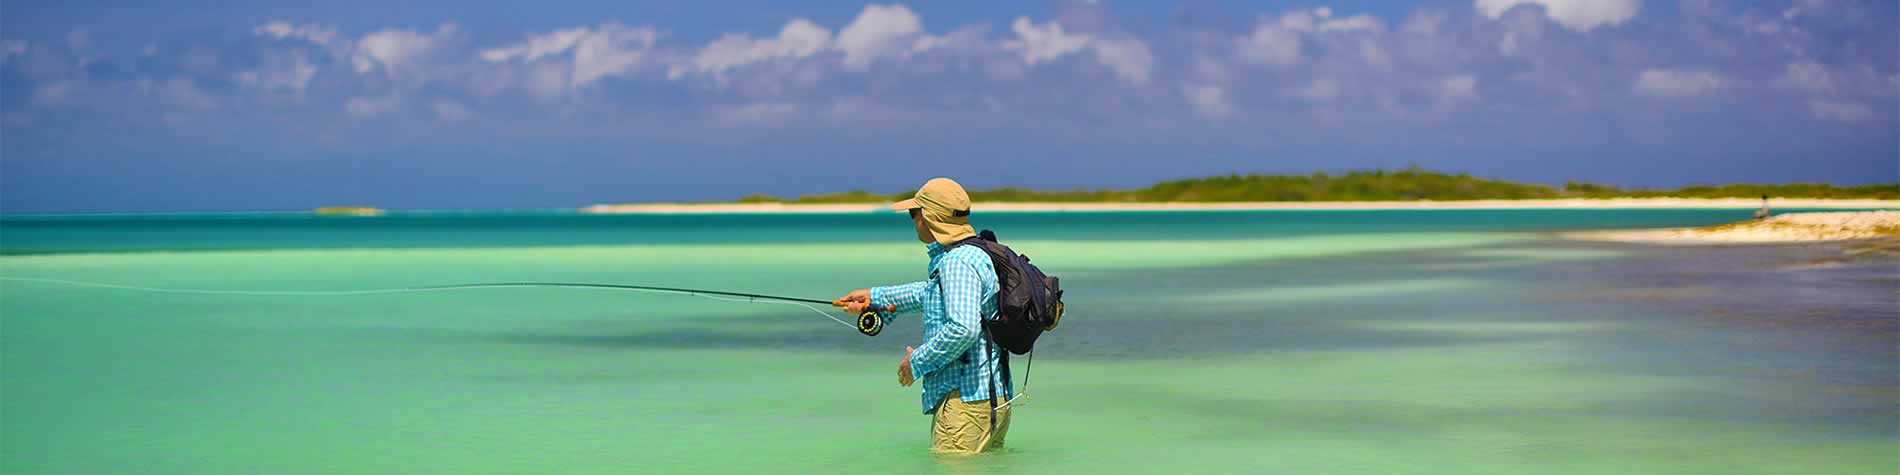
(1794, 227)
(1740, 203)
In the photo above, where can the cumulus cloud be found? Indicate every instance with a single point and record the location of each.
(538, 46)
(310, 32)
(1208, 101)
(800, 38)
(451, 111)
(1456, 88)
(612, 51)
(1129, 58)
(289, 72)
(1677, 82)
(1579, 15)
(1293, 60)
(395, 50)
(1358, 23)
(878, 31)
(1807, 75)
(181, 93)
(1275, 42)
(568, 59)
(1282, 40)
(1043, 43)
(1849, 112)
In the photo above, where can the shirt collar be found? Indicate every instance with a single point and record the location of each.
(934, 249)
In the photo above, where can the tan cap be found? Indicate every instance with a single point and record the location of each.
(946, 208)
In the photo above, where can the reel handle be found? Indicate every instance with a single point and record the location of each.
(869, 322)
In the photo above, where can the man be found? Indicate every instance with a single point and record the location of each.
(965, 389)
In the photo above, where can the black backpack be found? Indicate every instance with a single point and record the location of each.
(1028, 302)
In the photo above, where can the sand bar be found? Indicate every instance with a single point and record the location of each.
(1793, 227)
(1740, 203)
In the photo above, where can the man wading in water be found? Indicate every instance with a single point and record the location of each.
(958, 364)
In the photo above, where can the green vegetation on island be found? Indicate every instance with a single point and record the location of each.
(348, 211)
(1373, 185)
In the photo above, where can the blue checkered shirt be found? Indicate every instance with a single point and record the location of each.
(956, 354)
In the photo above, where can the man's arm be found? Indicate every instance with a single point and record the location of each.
(905, 298)
(962, 304)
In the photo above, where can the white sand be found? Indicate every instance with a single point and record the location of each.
(1795, 227)
(1742, 203)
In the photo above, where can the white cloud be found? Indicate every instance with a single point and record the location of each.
(1807, 76)
(289, 72)
(393, 50)
(1579, 15)
(611, 51)
(1374, 55)
(878, 31)
(1850, 112)
(363, 107)
(181, 92)
(1279, 41)
(1043, 43)
(310, 32)
(1208, 100)
(1356, 23)
(1129, 58)
(799, 38)
(538, 46)
(451, 111)
(1208, 69)
(1456, 88)
(1677, 82)
(588, 54)
(1274, 42)
(1423, 22)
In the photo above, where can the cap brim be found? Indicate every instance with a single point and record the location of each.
(905, 205)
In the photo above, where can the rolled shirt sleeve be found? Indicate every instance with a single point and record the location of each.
(962, 302)
(906, 298)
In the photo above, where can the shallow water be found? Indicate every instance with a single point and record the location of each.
(1237, 342)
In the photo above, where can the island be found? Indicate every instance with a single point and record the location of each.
(1407, 188)
(348, 211)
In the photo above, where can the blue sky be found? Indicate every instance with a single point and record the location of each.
(132, 106)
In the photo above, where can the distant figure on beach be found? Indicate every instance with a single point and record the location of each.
(966, 384)
(1763, 212)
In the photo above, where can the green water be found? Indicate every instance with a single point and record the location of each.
(1267, 342)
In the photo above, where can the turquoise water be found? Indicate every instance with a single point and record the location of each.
(1206, 342)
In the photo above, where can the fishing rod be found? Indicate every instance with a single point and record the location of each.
(870, 322)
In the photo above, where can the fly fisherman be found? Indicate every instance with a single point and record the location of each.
(964, 387)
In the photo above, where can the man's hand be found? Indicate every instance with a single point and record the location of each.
(903, 369)
(856, 301)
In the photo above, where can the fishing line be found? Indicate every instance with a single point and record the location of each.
(709, 294)
(869, 322)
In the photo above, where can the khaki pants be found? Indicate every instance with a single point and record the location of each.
(964, 427)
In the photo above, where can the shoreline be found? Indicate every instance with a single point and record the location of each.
(1778, 229)
(1577, 203)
